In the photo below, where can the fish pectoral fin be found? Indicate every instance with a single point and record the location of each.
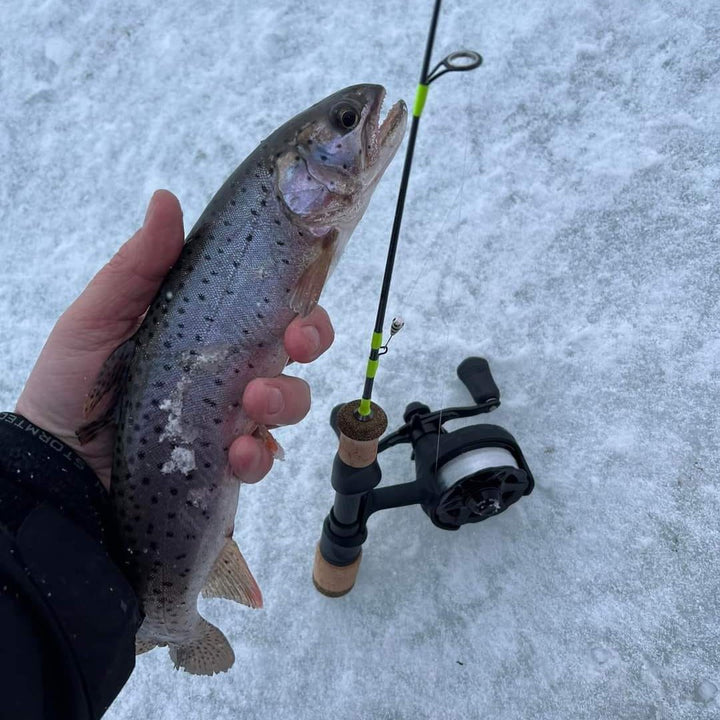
(110, 379)
(231, 578)
(265, 436)
(306, 293)
(207, 653)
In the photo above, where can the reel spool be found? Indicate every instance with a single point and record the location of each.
(463, 476)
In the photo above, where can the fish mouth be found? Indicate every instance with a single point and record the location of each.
(384, 138)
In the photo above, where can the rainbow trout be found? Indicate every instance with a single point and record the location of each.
(258, 256)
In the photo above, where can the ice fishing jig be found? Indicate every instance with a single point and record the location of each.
(463, 476)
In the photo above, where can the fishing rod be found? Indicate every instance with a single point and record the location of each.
(463, 476)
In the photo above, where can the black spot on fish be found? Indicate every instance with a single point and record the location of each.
(179, 335)
(158, 384)
(263, 202)
(279, 242)
(169, 534)
(154, 500)
(155, 402)
(205, 281)
(254, 212)
(186, 368)
(266, 300)
(236, 264)
(181, 556)
(210, 402)
(207, 318)
(233, 203)
(186, 298)
(220, 251)
(260, 315)
(217, 421)
(250, 365)
(207, 465)
(146, 416)
(242, 189)
(248, 237)
(226, 223)
(158, 429)
(207, 257)
(167, 344)
(218, 381)
(141, 455)
(323, 157)
(173, 491)
(181, 311)
(229, 291)
(198, 338)
(167, 367)
(201, 296)
(167, 583)
(285, 261)
(300, 233)
(204, 443)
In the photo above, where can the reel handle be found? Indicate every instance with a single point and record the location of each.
(477, 378)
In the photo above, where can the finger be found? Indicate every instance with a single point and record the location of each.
(249, 459)
(277, 401)
(309, 337)
(123, 289)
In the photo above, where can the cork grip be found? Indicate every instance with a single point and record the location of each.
(334, 580)
(358, 449)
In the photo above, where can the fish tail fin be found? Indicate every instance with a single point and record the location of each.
(207, 653)
(231, 579)
(143, 646)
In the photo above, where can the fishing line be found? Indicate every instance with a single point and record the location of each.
(453, 266)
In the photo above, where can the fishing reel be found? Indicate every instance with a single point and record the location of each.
(462, 476)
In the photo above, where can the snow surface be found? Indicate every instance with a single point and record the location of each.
(562, 220)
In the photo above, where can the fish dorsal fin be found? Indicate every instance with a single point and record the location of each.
(110, 379)
(231, 578)
(207, 652)
(306, 293)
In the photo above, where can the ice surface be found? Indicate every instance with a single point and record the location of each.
(562, 220)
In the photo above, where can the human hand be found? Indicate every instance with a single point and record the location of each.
(110, 310)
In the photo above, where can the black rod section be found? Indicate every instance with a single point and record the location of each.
(395, 234)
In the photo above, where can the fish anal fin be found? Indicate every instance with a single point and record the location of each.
(231, 579)
(306, 293)
(111, 376)
(207, 653)
(143, 646)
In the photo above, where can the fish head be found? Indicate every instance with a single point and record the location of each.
(332, 156)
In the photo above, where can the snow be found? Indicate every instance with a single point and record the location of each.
(562, 221)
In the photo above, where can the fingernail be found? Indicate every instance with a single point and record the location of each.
(149, 211)
(312, 336)
(275, 401)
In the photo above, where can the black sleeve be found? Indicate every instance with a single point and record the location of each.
(68, 616)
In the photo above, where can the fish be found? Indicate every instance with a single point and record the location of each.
(257, 257)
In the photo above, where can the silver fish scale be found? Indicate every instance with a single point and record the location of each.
(217, 322)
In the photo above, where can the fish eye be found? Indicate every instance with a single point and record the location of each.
(347, 117)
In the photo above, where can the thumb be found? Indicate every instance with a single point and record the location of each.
(111, 305)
